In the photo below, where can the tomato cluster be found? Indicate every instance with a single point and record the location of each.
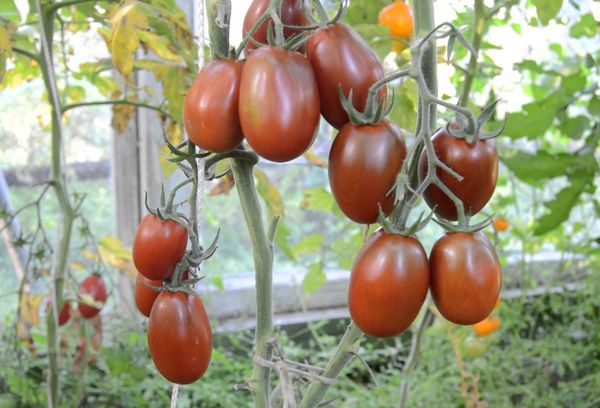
(179, 333)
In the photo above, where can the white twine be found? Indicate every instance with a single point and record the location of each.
(174, 395)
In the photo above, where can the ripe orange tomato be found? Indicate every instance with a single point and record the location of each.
(399, 19)
(500, 223)
(487, 326)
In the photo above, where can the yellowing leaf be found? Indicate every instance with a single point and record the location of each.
(114, 253)
(77, 266)
(90, 256)
(223, 186)
(30, 305)
(175, 133)
(269, 193)
(4, 50)
(315, 159)
(159, 45)
(166, 166)
(124, 39)
(121, 115)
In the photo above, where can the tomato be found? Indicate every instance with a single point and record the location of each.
(279, 103)
(500, 223)
(292, 13)
(93, 286)
(487, 326)
(210, 113)
(478, 164)
(339, 56)
(158, 246)
(179, 337)
(465, 277)
(399, 19)
(65, 311)
(388, 284)
(475, 346)
(363, 164)
(145, 295)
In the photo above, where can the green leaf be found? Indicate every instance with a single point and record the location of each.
(587, 26)
(594, 106)
(9, 11)
(281, 239)
(347, 248)
(541, 165)
(405, 105)
(573, 83)
(574, 127)
(269, 193)
(317, 199)
(314, 279)
(559, 209)
(309, 244)
(364, 11)
(535, 118)
(377, 36)
(547, 9)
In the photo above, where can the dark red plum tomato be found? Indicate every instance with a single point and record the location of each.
(364, 162)
(279, 103)
(292, 14)
(340, 57)
(388, 284)
(179, 337)
(144, 294)
(94, 286)
(466, 277)
(210, 113)
(477, 164)
(158, 246)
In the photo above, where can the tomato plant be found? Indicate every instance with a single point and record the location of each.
(340, 57)
(475, 346)
(478, 165)
(465, 277)
(487, 326)
(279, 103)
(292, 13)
(210, 112)
(363, 164)
(158, 246)
(399, 19)
(179, 337)
(93, 288)
(144, 294)
(388, 284)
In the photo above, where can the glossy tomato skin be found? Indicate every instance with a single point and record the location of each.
(363, 164)
(292, 13)
(145, 295)
(388, 284)
(465, 277)
(339, 56)
(158, 246)
(179, 337)
(94, 286)
(478, 164)
(210, 113)
(279, 103)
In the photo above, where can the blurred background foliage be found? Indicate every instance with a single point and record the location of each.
(541, 57)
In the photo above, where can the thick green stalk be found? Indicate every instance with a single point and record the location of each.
(343, 353)
(424, 23)
(480, 20)
(243, 174)
(67, 215)
(263, 264)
